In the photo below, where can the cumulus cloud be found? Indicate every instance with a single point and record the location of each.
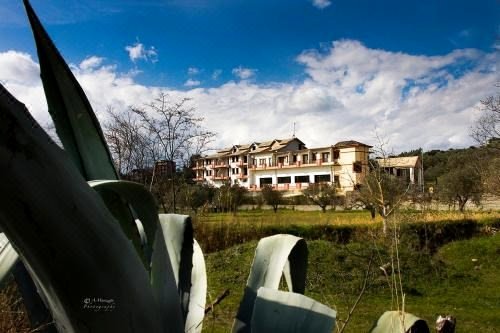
(321, 4)
(243, 73)
(91, 62)
(138, 51)
(192, 83)
(350, 91)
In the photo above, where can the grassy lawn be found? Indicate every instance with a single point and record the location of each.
(445, 282)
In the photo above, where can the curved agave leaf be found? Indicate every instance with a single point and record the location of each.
(8, 257)
(188, 268)
(121, 197)
(34, 300)
(277, 311)
(65, 235)
(270, 262)
(75, 122)
(198, 293)
(164, 284)
(400, 322)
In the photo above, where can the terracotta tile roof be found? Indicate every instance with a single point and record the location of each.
(350, 143)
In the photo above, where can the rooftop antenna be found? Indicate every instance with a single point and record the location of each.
(293, 136)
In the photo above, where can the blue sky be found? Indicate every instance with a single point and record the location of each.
(252, 47)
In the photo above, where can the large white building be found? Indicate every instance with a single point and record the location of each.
(286, 165)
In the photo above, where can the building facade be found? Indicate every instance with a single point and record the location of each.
(286, 164)
(408, 168)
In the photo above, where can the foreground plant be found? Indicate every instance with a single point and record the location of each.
(101, 257)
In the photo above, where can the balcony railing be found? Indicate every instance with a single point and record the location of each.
(220, 165)
(281, 187)
(220, 177)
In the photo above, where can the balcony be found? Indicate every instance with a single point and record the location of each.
(242, 176)
(199, 179)
(220, 166)
(220, 178)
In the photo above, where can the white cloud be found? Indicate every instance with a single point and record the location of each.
(350, 91)
(91, 62)
(244, 73)
(192, 83)
(193, 71)
(18, 67)
(138, 51)
(321, 4)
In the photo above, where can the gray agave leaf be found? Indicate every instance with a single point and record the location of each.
(278, 311)
(400, 322)
(8, 257)
(75, 121)
(274, 256)
(65, 235)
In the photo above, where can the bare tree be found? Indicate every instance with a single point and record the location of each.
(175, 133)
(486, 129)
(381, 191)
(486, 132)
(129, 143)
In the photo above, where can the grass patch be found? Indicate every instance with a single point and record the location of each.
(446, 282)
(216, 232)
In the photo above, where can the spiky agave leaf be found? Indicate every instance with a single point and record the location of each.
(277, 311)
(399, 322)
(66, 236)
(8, 257)
(274, 256)
(75, 122)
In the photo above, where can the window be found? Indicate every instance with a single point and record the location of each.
(336, 154)
(305, 158)
(265, 181)
(313, 157)
(336, 180)
(262, 161)
(321, 178)
(357, 167)
(325, 157)
(284, 180)
(294, 158)
(302, 179)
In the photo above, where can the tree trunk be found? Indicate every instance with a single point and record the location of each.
(384, 221)
(461, 204)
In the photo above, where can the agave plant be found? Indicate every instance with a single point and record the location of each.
(101, 257)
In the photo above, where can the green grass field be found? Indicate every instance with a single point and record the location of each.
(446, 282)
(438, 275)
